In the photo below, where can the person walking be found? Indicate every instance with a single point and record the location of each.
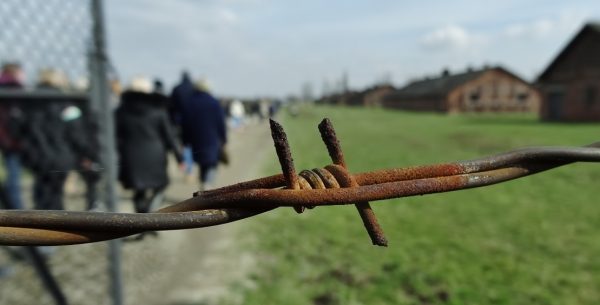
(53, 143)
(86, 126)
(203, 129)
(237, 112)
(11, 120)
(182, 94)
(144, 137)
(90, 169)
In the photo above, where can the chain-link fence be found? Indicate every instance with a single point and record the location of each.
(49, 34)
(50, 137)
(58, 152)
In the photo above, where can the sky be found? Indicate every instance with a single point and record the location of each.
(254, 48)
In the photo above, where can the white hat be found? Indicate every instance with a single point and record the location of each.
(70, 113)
(53, 78)
(202, 85)
(81, 84)
(140, 84)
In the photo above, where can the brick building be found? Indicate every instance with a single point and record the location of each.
(570, 84)
(371, 96)
(490, 89)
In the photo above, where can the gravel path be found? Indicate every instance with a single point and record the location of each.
(177, 267)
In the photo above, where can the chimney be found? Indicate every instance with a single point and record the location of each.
(445, 72)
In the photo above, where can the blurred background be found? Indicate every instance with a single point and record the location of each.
(133, 105)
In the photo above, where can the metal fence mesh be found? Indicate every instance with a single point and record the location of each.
(58, 34)
(55, 35)
(43, 34)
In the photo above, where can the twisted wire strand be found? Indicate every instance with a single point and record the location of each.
(332, 185)
(558, 156)
(35, 227)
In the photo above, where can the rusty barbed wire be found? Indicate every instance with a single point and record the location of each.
(331, 185)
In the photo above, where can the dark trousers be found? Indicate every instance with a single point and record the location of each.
(143, 199)
(12, 184)
(208, 174)
(48, 190)
(91, 179)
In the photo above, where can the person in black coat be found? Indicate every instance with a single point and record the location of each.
(89, 164)
(52, 143)
(144, 137)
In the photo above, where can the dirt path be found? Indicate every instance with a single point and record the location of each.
(177, 267)
(208, 260)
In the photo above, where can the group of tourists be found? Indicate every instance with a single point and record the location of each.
(190, 124)
(54, 136)
(49, 136)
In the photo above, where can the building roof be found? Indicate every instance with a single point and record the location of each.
(592, 27)
(444, 83)
(378, 87)
(438, 85)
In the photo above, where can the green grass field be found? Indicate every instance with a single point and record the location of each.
(531, 241)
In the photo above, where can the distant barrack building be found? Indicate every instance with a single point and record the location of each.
(490, 89)
(570, 84)
(371, 96)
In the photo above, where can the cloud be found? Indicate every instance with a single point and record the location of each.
(536, 29)
(451, 37)
(545, 27)
(251, 47)
(227, 16)
(166, 36)
(175, 14)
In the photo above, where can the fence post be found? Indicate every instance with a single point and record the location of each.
(100, 102)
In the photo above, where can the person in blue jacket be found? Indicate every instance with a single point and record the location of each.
(203, 129)
(180, 94)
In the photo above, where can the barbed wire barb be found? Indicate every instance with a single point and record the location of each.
(331, 185)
